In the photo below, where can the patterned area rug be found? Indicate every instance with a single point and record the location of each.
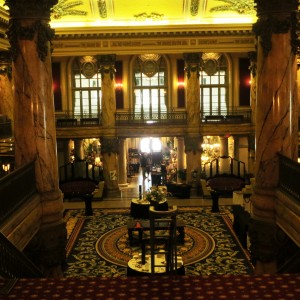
(99, 246)
(113, 246)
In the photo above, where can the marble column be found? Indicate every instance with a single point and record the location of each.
(6, 93)
(180, 156)
(122, 162)
(223, 163)
(107, 69)
(29, 35)
(223, 146)
(192, 62)
(78, 149)
(276, 119)
(193, 152)
(109, 151)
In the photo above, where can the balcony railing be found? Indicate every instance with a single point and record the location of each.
(230, 115)
(171, 117)
(69, 119)
(163, 118)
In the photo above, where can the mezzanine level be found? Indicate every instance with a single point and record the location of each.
(168, 123)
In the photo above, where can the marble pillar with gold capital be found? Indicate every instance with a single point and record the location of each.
(29, 35)
(276, 117)
(192, 62)
(109, 151)
(107, 69)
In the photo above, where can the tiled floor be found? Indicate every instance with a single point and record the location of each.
(132, 191)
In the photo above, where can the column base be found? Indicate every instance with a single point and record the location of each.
(113, 193)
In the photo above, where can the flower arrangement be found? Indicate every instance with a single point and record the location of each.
(157, 193)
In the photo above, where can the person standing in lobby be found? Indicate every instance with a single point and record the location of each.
(144, 164)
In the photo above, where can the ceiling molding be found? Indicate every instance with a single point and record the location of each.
(241, 41)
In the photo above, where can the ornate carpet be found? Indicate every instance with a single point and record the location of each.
(99, 246)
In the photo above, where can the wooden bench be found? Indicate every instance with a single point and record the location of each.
(144, 225)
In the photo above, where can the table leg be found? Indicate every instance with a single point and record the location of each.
(130, 237)
(181, 235)
(88, 205)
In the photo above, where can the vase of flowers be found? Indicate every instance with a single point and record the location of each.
(157, 196)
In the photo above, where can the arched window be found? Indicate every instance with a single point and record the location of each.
(214, 84)
(150, 88)
(86, 87)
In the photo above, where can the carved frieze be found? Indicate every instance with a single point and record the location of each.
(194, 7)
(102, 9)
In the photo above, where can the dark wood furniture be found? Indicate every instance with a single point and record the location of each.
(179, 190)
(82, 189)
(139, 209)
(144, 225)
(226, 184)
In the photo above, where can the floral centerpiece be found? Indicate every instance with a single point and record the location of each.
(157, 194)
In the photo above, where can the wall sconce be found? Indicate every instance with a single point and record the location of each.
(180, 84)
(119, 85)
(6, 168)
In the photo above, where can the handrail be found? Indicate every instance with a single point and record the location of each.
(130, 117)
(14, 263)
(235, 167)
(15, 189)
(289, 174)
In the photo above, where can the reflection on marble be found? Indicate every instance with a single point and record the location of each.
(108, 100)
(6, 96)
(193, 99)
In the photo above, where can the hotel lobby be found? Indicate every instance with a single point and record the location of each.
(90, 80)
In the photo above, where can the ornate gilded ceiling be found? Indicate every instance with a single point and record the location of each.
(82, 14)
(140, 26)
